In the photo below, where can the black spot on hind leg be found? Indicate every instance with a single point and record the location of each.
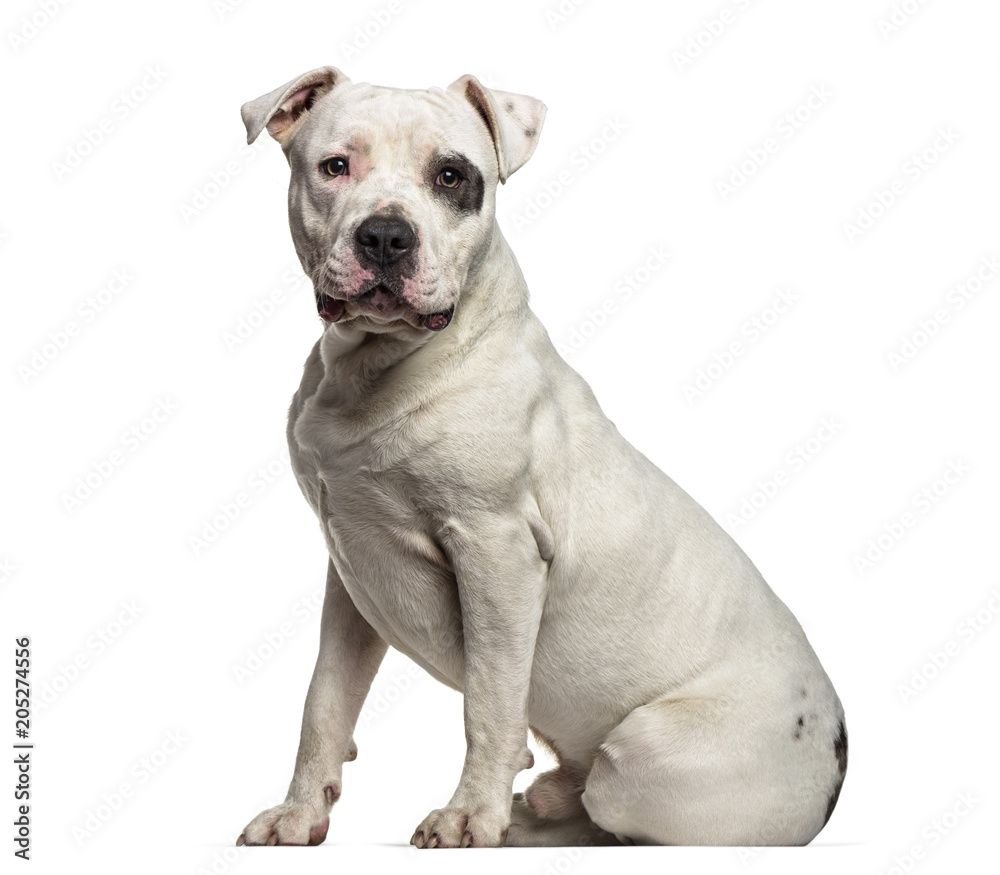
(832, 803)
(840, 751)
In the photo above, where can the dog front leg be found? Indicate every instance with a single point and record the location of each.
(501, 584)
(350, 652)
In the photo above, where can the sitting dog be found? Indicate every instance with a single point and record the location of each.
(484, 517)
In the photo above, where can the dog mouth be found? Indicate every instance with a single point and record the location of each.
(330, 309)
(381, 304)
(437, 321)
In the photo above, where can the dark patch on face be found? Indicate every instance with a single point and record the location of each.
(467, 199)
(530, 133)
(840, 751)
(802, 692)
(798, 726)
(509, 106)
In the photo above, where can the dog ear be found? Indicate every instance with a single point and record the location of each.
(282, 110)
(514, 121)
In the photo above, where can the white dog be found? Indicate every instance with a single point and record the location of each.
(485, 518)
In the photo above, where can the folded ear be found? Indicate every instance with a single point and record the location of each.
(514, 121)
(283, 110)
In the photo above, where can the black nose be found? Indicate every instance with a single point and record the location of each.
(384, 240)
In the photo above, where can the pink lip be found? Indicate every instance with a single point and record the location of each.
(437, 321)
(381, 301)
(330, 309)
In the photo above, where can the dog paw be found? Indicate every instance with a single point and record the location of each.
(291, 823)
(460, 828)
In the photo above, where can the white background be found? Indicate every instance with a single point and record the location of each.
(196, 221)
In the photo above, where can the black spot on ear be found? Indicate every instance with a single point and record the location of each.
(802, 692)
(509, 106)
(798, 726)
(530, 133)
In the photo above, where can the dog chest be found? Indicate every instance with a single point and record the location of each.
(383, 545)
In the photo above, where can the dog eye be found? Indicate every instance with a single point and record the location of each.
(449, 178)
(334, 166)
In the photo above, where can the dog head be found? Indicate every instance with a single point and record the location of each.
(392, 193)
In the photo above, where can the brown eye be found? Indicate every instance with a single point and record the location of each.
(334, 167)
(449, 178)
